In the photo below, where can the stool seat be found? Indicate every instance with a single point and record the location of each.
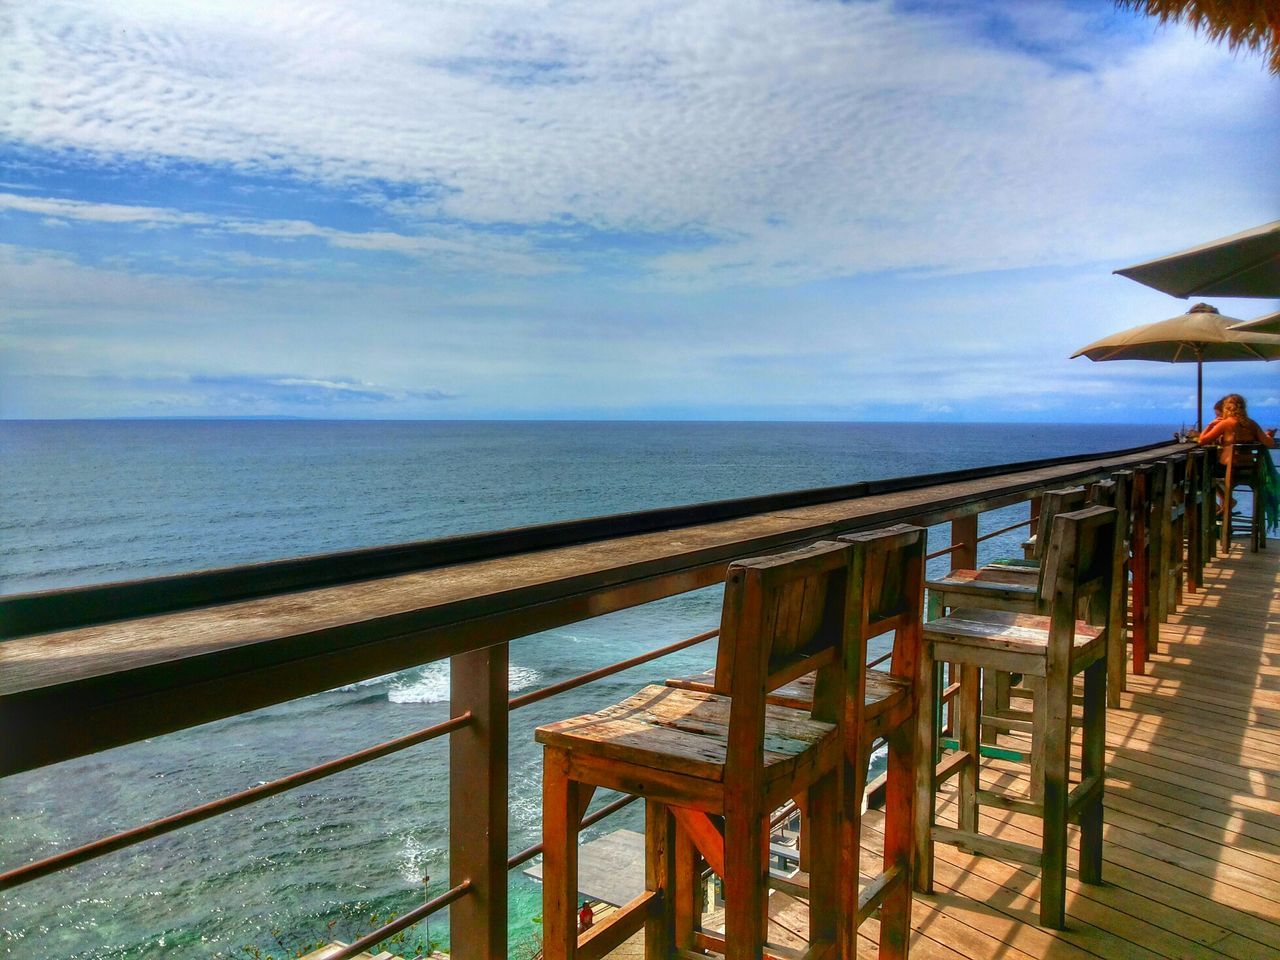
(1014, 563)
(1015, 632)
(998, 583)
(886, 695)
(687, 732)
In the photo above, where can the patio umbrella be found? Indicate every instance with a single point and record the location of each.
(1244, 264)
(1199, 336)
(1268, 323)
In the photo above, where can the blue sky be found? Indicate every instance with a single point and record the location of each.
(759, 209)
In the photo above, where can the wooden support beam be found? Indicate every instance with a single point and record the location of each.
(478, 682)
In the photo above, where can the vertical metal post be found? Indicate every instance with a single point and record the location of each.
(478, 804)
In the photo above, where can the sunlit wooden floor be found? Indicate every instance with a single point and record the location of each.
(1192, 809)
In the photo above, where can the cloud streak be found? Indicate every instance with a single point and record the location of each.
(514, 258)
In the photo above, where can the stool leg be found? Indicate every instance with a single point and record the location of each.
(926, 759)
(850, 845)
(967, 734)
(1116, 636)
(899, 801)
(1038, 717)
(745, 871)
(559, 858)
(689, 891)
(803, 841)
(1093, 764)
(660, 871)
(826, 859)
(1055, 703)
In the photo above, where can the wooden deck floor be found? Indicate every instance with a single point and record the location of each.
(1192, 809)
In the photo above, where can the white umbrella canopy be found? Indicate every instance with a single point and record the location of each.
(1269, 323)
(1199, 336)
(1245, 264)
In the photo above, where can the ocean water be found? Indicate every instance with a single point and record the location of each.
(98, 501)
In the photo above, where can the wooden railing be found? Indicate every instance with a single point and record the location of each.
(85, 669)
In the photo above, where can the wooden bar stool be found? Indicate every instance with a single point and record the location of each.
(1115, 493)
(1161, 533)
(1149, 481)
(1175, 544)
(712, 766)
(1195, 509)
(1202, 471)
(1049, 651)
(890, 565)
(1244, 469)
(1011, 585)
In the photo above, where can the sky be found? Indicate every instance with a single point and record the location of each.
(680, 209)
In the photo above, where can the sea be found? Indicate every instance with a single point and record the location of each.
(88, 502)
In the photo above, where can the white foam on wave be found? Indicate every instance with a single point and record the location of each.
(431, 685)
(359, 684)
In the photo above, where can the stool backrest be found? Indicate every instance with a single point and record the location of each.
(888, 596)
(1114, 492)
(1079, 569)
(1052, 503)
(784, 616)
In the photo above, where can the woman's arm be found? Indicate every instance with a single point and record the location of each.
(1214, 430)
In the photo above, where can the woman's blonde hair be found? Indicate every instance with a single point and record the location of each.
(1233, 405)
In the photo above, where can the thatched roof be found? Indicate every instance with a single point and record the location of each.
(1252, 24)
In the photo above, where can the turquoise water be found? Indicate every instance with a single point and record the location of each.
(90, 502)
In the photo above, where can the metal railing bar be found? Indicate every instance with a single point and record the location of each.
(1008, 529)
(879, 660)
(945, 550)
(610, 808)
(415, 915)
(156, 828)
(533, 696)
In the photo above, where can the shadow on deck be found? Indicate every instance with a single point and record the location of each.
(1192, 856)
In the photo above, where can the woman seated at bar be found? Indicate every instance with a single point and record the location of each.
(1235, 427)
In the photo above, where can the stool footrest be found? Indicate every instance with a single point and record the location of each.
(951, 765)
(614, 930)
(1006, 723)
(1082, 794)
(871, 896)
(987, 846)
(987, 750)
(989, 799)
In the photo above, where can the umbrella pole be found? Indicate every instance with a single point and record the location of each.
(1199, 393)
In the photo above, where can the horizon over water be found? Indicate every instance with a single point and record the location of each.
(95, 501)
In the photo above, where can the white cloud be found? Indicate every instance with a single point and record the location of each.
(448, 244)
(808, 139)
